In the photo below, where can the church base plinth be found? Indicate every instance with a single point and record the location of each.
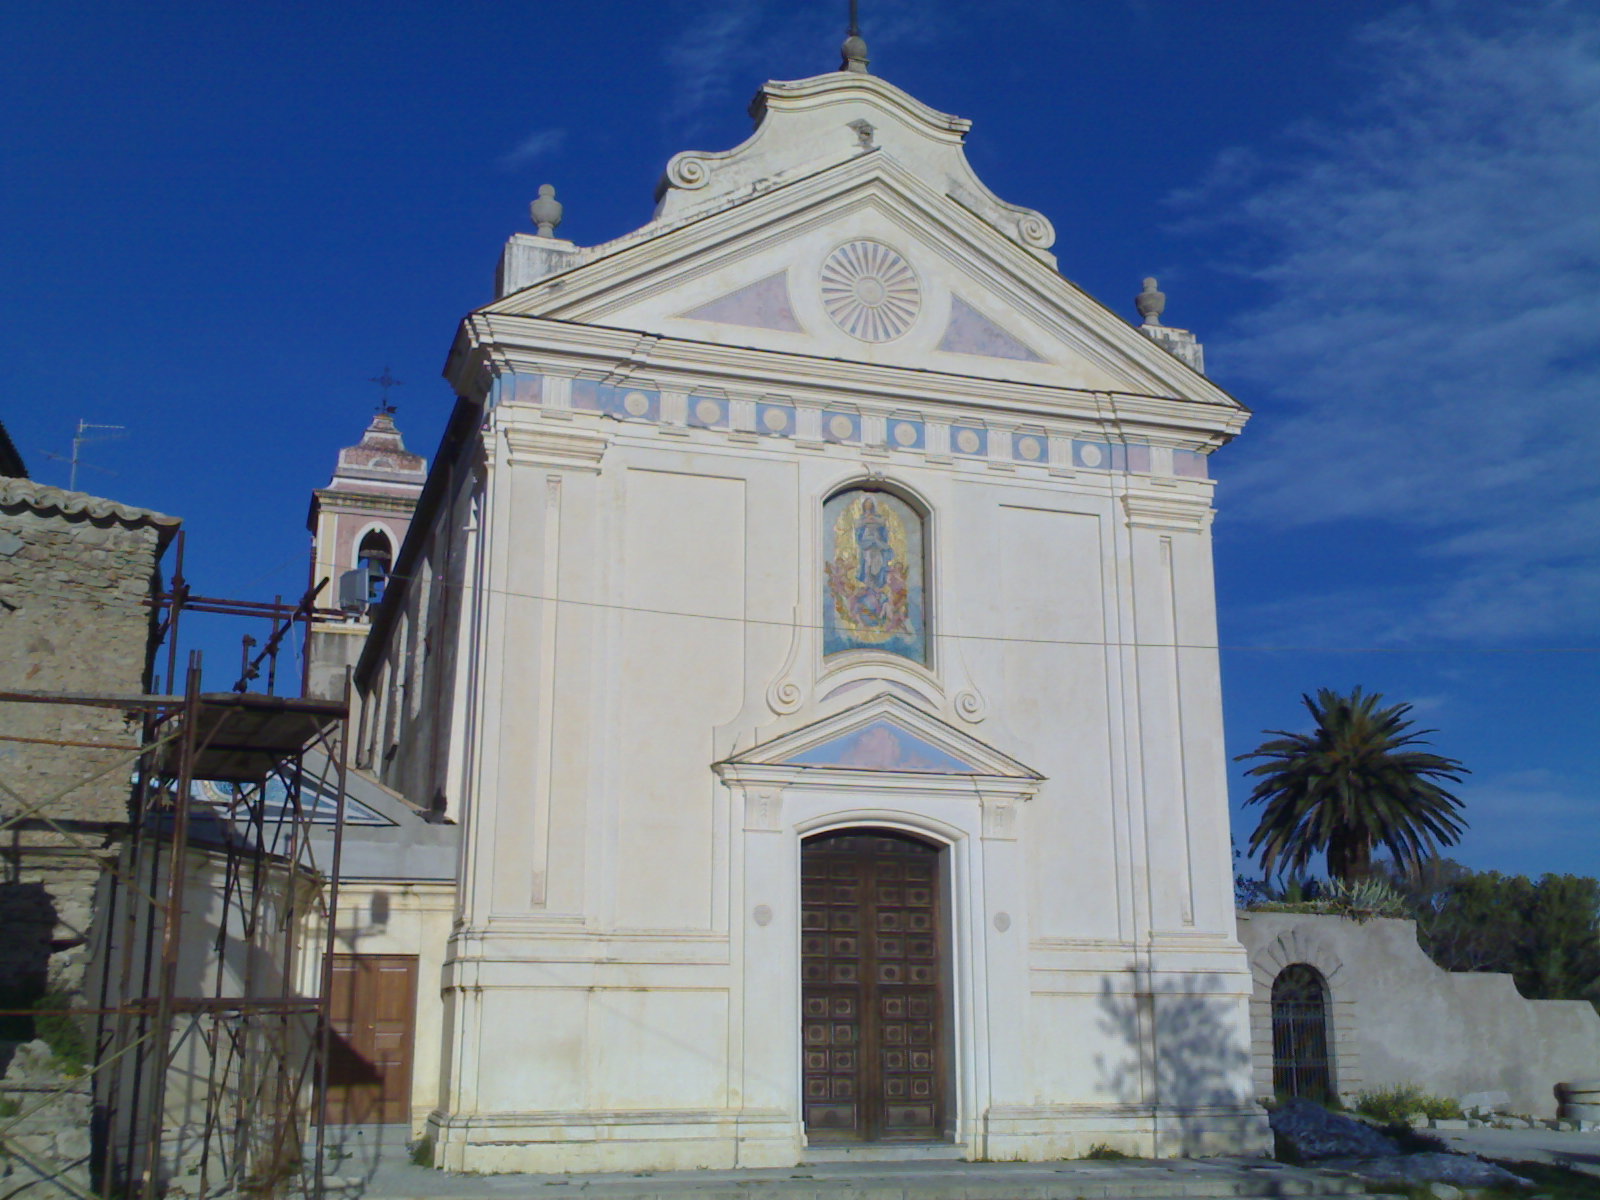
(1046, 1133)
(591, 1142)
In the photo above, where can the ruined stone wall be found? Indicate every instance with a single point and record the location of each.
(74, 574)
(72, 619)
(1398, 1019)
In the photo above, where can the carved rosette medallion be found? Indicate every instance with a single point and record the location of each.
(870, 292)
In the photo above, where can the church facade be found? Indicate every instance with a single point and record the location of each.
(808, 624)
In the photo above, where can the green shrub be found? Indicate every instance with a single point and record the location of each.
(9, 1107)
(1400, 1103)
(422, 1152)
(1442, 1108)
(1103, 1151)
(55, 1025)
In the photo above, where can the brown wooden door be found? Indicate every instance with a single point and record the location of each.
(873, 1012)
(372, 1007)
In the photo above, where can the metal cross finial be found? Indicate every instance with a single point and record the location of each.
(386, 381)
(854, 50)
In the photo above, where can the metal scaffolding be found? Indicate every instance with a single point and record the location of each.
(209, 970)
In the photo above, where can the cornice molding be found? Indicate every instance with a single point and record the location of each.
(498, 343)
(805, 127)
(330, 497)
(1167, 510)
(558, 446)
(638, 267)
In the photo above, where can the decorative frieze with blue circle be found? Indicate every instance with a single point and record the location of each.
(1030, 446)
(625, 404)
(906, 435)
(775, 420)
(969, 439)
(1098, 456)
(708, 412)
(840, 427)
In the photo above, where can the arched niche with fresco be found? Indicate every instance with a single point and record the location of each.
(875, 575)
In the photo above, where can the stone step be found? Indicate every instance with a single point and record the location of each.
(881, 1180)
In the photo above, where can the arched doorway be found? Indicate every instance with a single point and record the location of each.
(1301, 1064)
(873, 955)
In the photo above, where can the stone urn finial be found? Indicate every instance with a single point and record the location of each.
(854, 51)
(546, 210)
(1150, 303)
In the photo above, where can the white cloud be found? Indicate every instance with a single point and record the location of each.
(536, 145)
(1425, 353)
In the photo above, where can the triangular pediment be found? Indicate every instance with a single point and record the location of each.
(763, 304)
(885, 735)
(863, 261)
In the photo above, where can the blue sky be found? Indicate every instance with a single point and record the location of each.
(218, 222)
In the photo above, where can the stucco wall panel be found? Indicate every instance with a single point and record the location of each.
(682, 657)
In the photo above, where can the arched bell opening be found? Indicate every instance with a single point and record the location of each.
(375, 555)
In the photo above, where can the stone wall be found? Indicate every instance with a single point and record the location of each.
(75, 571)
(74, 574)
(1398, 1018)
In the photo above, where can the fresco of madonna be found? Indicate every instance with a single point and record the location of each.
(873, 578)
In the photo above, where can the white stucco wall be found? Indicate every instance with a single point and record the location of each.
(1401, 1019)
(396, 917)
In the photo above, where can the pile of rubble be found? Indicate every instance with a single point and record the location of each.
(45, 1148)
(1492, 1110)
(1310, 1134)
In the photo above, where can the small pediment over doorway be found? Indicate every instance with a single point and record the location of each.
(884, 737)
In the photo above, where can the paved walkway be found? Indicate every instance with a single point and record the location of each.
(1577, 1151)
(375, 1166)
(1152, 1180)
(372, 1163)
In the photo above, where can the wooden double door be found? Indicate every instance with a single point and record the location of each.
(372, 1005)
(872, 988)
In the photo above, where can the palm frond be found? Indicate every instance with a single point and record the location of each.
(1351, 786)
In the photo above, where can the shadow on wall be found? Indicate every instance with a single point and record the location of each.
(27, 929)
(1183, 1052)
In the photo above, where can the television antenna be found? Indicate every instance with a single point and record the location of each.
(87, 435)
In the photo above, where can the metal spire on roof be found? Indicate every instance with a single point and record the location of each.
(855, 47)
(386, 381)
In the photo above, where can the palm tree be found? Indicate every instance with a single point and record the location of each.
(1351, 786)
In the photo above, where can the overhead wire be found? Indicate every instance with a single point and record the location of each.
(938, 635)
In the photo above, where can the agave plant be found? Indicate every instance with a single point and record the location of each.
(1353, 784)
(1369, 898)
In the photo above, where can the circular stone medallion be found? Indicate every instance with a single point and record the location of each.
(707, 412)
(775, 419)
(636, 404)
(1028, 447)
(870, 292)
(967, 441)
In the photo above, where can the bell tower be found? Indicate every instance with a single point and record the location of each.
(358, 523)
